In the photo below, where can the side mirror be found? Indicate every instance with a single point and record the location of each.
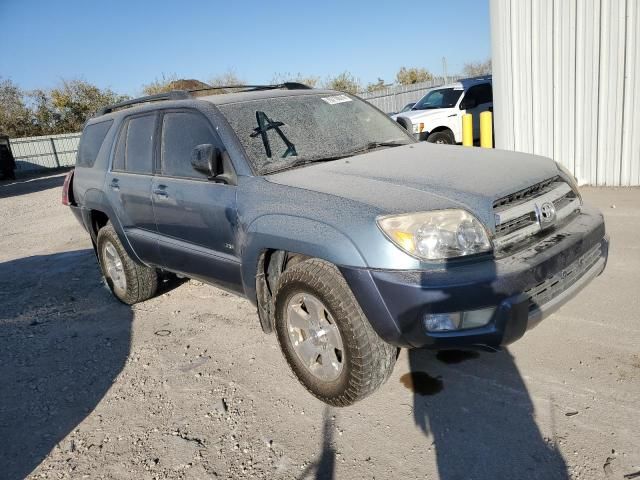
(205, 159)
(468, 103)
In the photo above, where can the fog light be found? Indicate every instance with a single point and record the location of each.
(444, 322)
(477, 318)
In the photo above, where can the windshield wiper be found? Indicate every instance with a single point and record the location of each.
(372, 146)
(302, 161)
(369, 146)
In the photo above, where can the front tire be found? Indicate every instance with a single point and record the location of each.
(129, 281)
(442, 137)
(326, 338)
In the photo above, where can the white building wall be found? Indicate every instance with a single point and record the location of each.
(566, 78)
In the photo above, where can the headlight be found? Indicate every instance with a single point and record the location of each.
(418, 127)
(573, 182)
(436, 235)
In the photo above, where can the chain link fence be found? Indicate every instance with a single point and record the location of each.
(392, 99)
(34, 154)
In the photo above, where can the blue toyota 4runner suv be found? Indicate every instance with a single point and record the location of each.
(351, 238)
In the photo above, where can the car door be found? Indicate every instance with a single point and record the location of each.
(482, 97)
(195, 216)
(128, 184)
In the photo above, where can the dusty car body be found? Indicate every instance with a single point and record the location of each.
(349, 248)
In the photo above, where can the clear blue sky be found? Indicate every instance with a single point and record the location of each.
(124, 44)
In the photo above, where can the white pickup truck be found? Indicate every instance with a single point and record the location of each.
(437, 117)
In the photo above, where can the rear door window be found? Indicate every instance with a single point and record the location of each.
(92, 138)
(181, 132)
(140, 133)
(482, 93)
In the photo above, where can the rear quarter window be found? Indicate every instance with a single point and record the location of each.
(92, 138)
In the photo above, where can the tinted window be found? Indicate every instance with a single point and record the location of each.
(441, 98)
(181, 132)
(92, 138)
(482, 93)
(139, 148)
(118, 159)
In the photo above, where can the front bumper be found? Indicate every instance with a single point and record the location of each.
(524, 287)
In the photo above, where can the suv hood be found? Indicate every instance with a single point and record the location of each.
(424, 176)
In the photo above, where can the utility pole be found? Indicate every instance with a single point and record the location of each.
(444, 69)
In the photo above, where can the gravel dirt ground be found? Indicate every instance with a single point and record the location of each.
(186, 385)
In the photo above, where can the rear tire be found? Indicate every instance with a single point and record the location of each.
(129, 281)
(442, 137)
(360, 360)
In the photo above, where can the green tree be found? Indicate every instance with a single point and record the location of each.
(160, 85)
(62, 109)
(344, 82)
(374, 87)
(74, 101)
(308, 80)
(228, 78)
(475, 69)
(16, 119)
(168, 83)
(44, 117)
(409, 76)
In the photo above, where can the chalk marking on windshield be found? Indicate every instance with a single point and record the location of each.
(264, 125)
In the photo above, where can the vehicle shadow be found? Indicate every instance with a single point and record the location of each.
(64, 340)
(481, 417)
(23, 186)
(474, 405)
(477, 408)
(324, 467)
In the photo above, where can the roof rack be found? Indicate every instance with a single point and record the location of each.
(173, 95)
(186, 94)
(250, 88)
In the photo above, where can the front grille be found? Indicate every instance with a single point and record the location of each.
(550, 288)
(565, 200)
(525, 194)
(516, 224)
(518, 216)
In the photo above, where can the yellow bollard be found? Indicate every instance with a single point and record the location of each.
(486, 130)
(467, 130)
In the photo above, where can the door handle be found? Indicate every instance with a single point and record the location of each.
(114, 185)
(161, 191)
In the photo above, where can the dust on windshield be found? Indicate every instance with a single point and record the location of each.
(281, 132)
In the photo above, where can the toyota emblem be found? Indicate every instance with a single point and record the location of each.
(547, 213)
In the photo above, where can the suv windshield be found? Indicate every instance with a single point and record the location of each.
(283, 132)
(441, 98)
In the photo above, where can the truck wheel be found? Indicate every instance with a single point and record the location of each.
(326, 338)
(129, 281)
(440, 137)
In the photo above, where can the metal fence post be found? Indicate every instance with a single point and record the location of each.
(55, 152)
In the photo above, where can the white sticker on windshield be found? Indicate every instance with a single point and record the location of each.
(336, 99)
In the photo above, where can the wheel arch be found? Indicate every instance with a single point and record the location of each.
(446, 129)
(96, 216)
(275, 242)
